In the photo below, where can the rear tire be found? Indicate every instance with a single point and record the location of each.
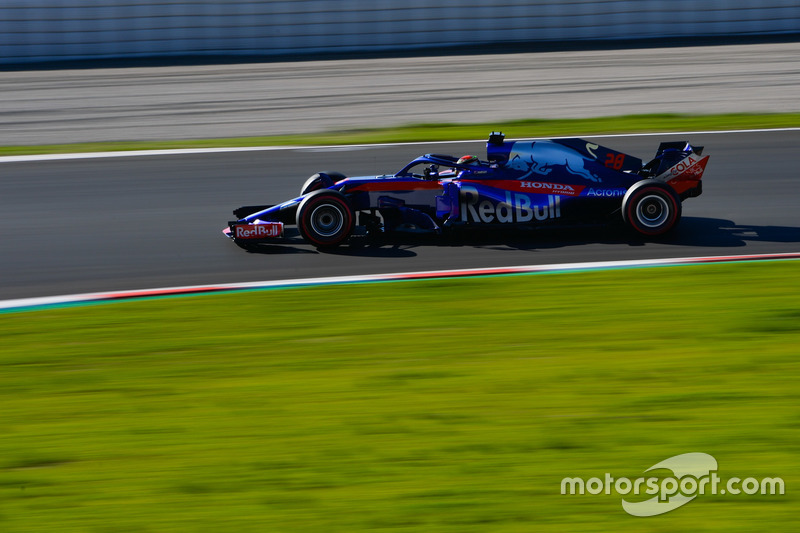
(651, 208)
(325, 218)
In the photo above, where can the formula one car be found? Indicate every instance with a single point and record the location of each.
(521, 183)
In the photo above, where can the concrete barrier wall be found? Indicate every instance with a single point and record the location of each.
(36, 30)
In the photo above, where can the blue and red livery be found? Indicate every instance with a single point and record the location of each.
(522, 183)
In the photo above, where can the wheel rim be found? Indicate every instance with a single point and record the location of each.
(327, 220)
(653, 211)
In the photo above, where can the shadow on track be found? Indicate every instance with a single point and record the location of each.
(692, 232)
(357, 247)
(713, 232)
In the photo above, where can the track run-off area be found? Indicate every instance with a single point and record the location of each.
(100, 223)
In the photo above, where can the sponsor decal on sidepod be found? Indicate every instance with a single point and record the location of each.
(516, 208)
(553, 188)
(609, 193)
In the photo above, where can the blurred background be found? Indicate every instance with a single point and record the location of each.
(47, 30)
(210, 70)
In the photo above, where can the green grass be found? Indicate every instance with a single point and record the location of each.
(454, 405)
(449, 132)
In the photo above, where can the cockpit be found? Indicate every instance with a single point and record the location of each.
(439, 166)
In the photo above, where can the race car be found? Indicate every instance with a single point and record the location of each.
(531, 183)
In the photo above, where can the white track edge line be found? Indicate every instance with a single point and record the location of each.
(190, 151)
(26, 303)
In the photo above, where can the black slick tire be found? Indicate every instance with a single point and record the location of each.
(325, 218)
(651, 208)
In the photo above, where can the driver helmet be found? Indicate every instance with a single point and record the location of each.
(467, 160)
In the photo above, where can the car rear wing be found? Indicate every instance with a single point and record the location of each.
(680, 165)
(679, 146)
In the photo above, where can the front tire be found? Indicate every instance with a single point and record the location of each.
(651, 208)
(321, 180)
(325, 218)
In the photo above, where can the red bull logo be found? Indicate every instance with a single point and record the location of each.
(259, 231)
(517, 208)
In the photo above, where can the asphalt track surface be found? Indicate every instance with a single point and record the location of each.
(87, 225)
(218, 101)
